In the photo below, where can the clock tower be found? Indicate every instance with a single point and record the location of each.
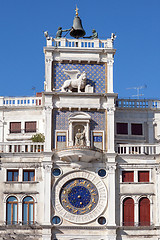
(79, 156)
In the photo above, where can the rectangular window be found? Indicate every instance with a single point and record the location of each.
(28, 175)
(136, 129)
(15, 127)
(122, 128)
(12, 175)
(61, 138)
(30, 127)
(143, 176)
(128, 176)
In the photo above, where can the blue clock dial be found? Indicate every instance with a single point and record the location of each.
(79, 196)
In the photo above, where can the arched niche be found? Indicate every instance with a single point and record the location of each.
(79, 120)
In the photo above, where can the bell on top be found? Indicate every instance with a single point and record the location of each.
(77, 30)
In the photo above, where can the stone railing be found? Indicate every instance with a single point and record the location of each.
(20, 101)
(138, 103)
(79, 43)
(140, 149)
(19, 147)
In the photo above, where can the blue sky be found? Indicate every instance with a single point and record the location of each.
(136, 23)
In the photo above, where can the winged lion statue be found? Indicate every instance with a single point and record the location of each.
(74, 81)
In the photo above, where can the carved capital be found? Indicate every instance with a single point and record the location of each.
(110, 110)
(157, 170)
(110, 61)
(47, 168)
(111, 168)
(49, 59)
(48, 108)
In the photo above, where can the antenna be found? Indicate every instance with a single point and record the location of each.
(34, 90)
(138, 91)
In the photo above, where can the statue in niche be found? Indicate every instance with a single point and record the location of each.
(80, 138)
(74, 81)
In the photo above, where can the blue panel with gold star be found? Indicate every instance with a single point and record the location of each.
(95, 75)
(60, 120)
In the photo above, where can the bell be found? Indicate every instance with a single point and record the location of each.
(77, 30)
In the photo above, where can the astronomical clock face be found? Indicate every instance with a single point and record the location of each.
(79, 196)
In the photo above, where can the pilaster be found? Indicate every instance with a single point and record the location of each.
(110, 62)
(157, 182)
(48, 72)
(47, 166)
(111, 194)
(48, 111)
(150, 132)
(110, 129)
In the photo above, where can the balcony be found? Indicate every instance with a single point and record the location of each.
(20, 101)
(138, 149)
(79, 153)
(21, 147)
(79, 43)
(138, 103)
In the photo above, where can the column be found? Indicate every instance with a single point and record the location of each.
(2, 126)
(48, 129)
(47, 193)
(110, 62)
(48, 72)
(150, 132)
(110, 129)
(111, 195)
(157, 195)
(70, 134)
(87, 135)
(136, 211)
(20, 209)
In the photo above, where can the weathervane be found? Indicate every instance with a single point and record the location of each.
(76, 11)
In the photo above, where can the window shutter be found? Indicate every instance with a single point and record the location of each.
(128, 212)
(144, 212)
(128, 176)
(15, 127)
(143, 176)
(30, 127)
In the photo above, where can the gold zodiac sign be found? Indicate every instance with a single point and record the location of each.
(74, 184)
(83, 182)
(75, 211)
(64, 200)
(83, 212)
(93, 200)
(90, 206)
(68, 207)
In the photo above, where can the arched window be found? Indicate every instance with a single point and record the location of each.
(128, 212)
(144, 212)
(12, 210)
(28, 210)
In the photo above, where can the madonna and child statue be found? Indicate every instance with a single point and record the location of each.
(80, 138)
